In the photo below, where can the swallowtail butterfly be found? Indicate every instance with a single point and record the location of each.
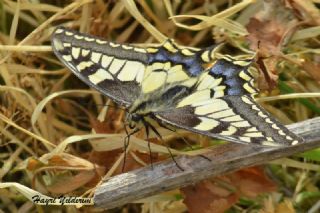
(170, 84)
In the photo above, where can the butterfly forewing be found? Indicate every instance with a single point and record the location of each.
(113, 69)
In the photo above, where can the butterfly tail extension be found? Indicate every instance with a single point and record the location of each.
(256, 125)
(116, 70)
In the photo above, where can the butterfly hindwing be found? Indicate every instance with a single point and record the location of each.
(232, 118)
(113, 69)
(221, 106)
(221, 79)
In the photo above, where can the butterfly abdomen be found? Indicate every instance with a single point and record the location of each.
(160, 100)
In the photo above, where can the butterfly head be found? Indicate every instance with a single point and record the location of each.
(132, 119)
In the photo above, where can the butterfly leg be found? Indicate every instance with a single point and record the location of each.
(149, 147)
(175, 131)
(160, 137)
(126, 143)
(186, 142)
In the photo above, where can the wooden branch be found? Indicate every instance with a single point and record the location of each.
(144, 182)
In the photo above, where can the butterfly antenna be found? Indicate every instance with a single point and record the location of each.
(125, 144)
(160, 137)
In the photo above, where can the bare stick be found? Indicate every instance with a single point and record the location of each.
(144, 182)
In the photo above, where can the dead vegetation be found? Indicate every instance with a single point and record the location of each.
(58, 137)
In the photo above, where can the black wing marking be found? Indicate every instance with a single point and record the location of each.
(191, 59)
(232, 118)
(221, 105)
(170, 65)
(113, 69)
(235, 78)
(117, 71)
(223, 78)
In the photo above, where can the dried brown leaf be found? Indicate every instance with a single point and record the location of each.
(265, 36)
(60, 160)
(206, 196)
(67, 183)
(268, 31)
(104, 159)
(251, 182)
(269, 28)
(67, 160)
(269, 79)
(221, 193)
(34, 164)
(112, 124)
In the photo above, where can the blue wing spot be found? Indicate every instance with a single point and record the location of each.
(225, 68)
(191, 64)
(230, 74)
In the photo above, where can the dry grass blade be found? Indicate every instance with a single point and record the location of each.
(306, 33)
(289, 96)
(220, 19)
(14, 24)
(69, 8)
(26, 48)
(60, 137)
(131, 7)
(32, 6)
(32, 101)
(41, 105)
(11, 123)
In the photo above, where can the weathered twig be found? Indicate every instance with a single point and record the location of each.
(137, 184)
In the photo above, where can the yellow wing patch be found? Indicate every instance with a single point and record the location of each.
(101, 64)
